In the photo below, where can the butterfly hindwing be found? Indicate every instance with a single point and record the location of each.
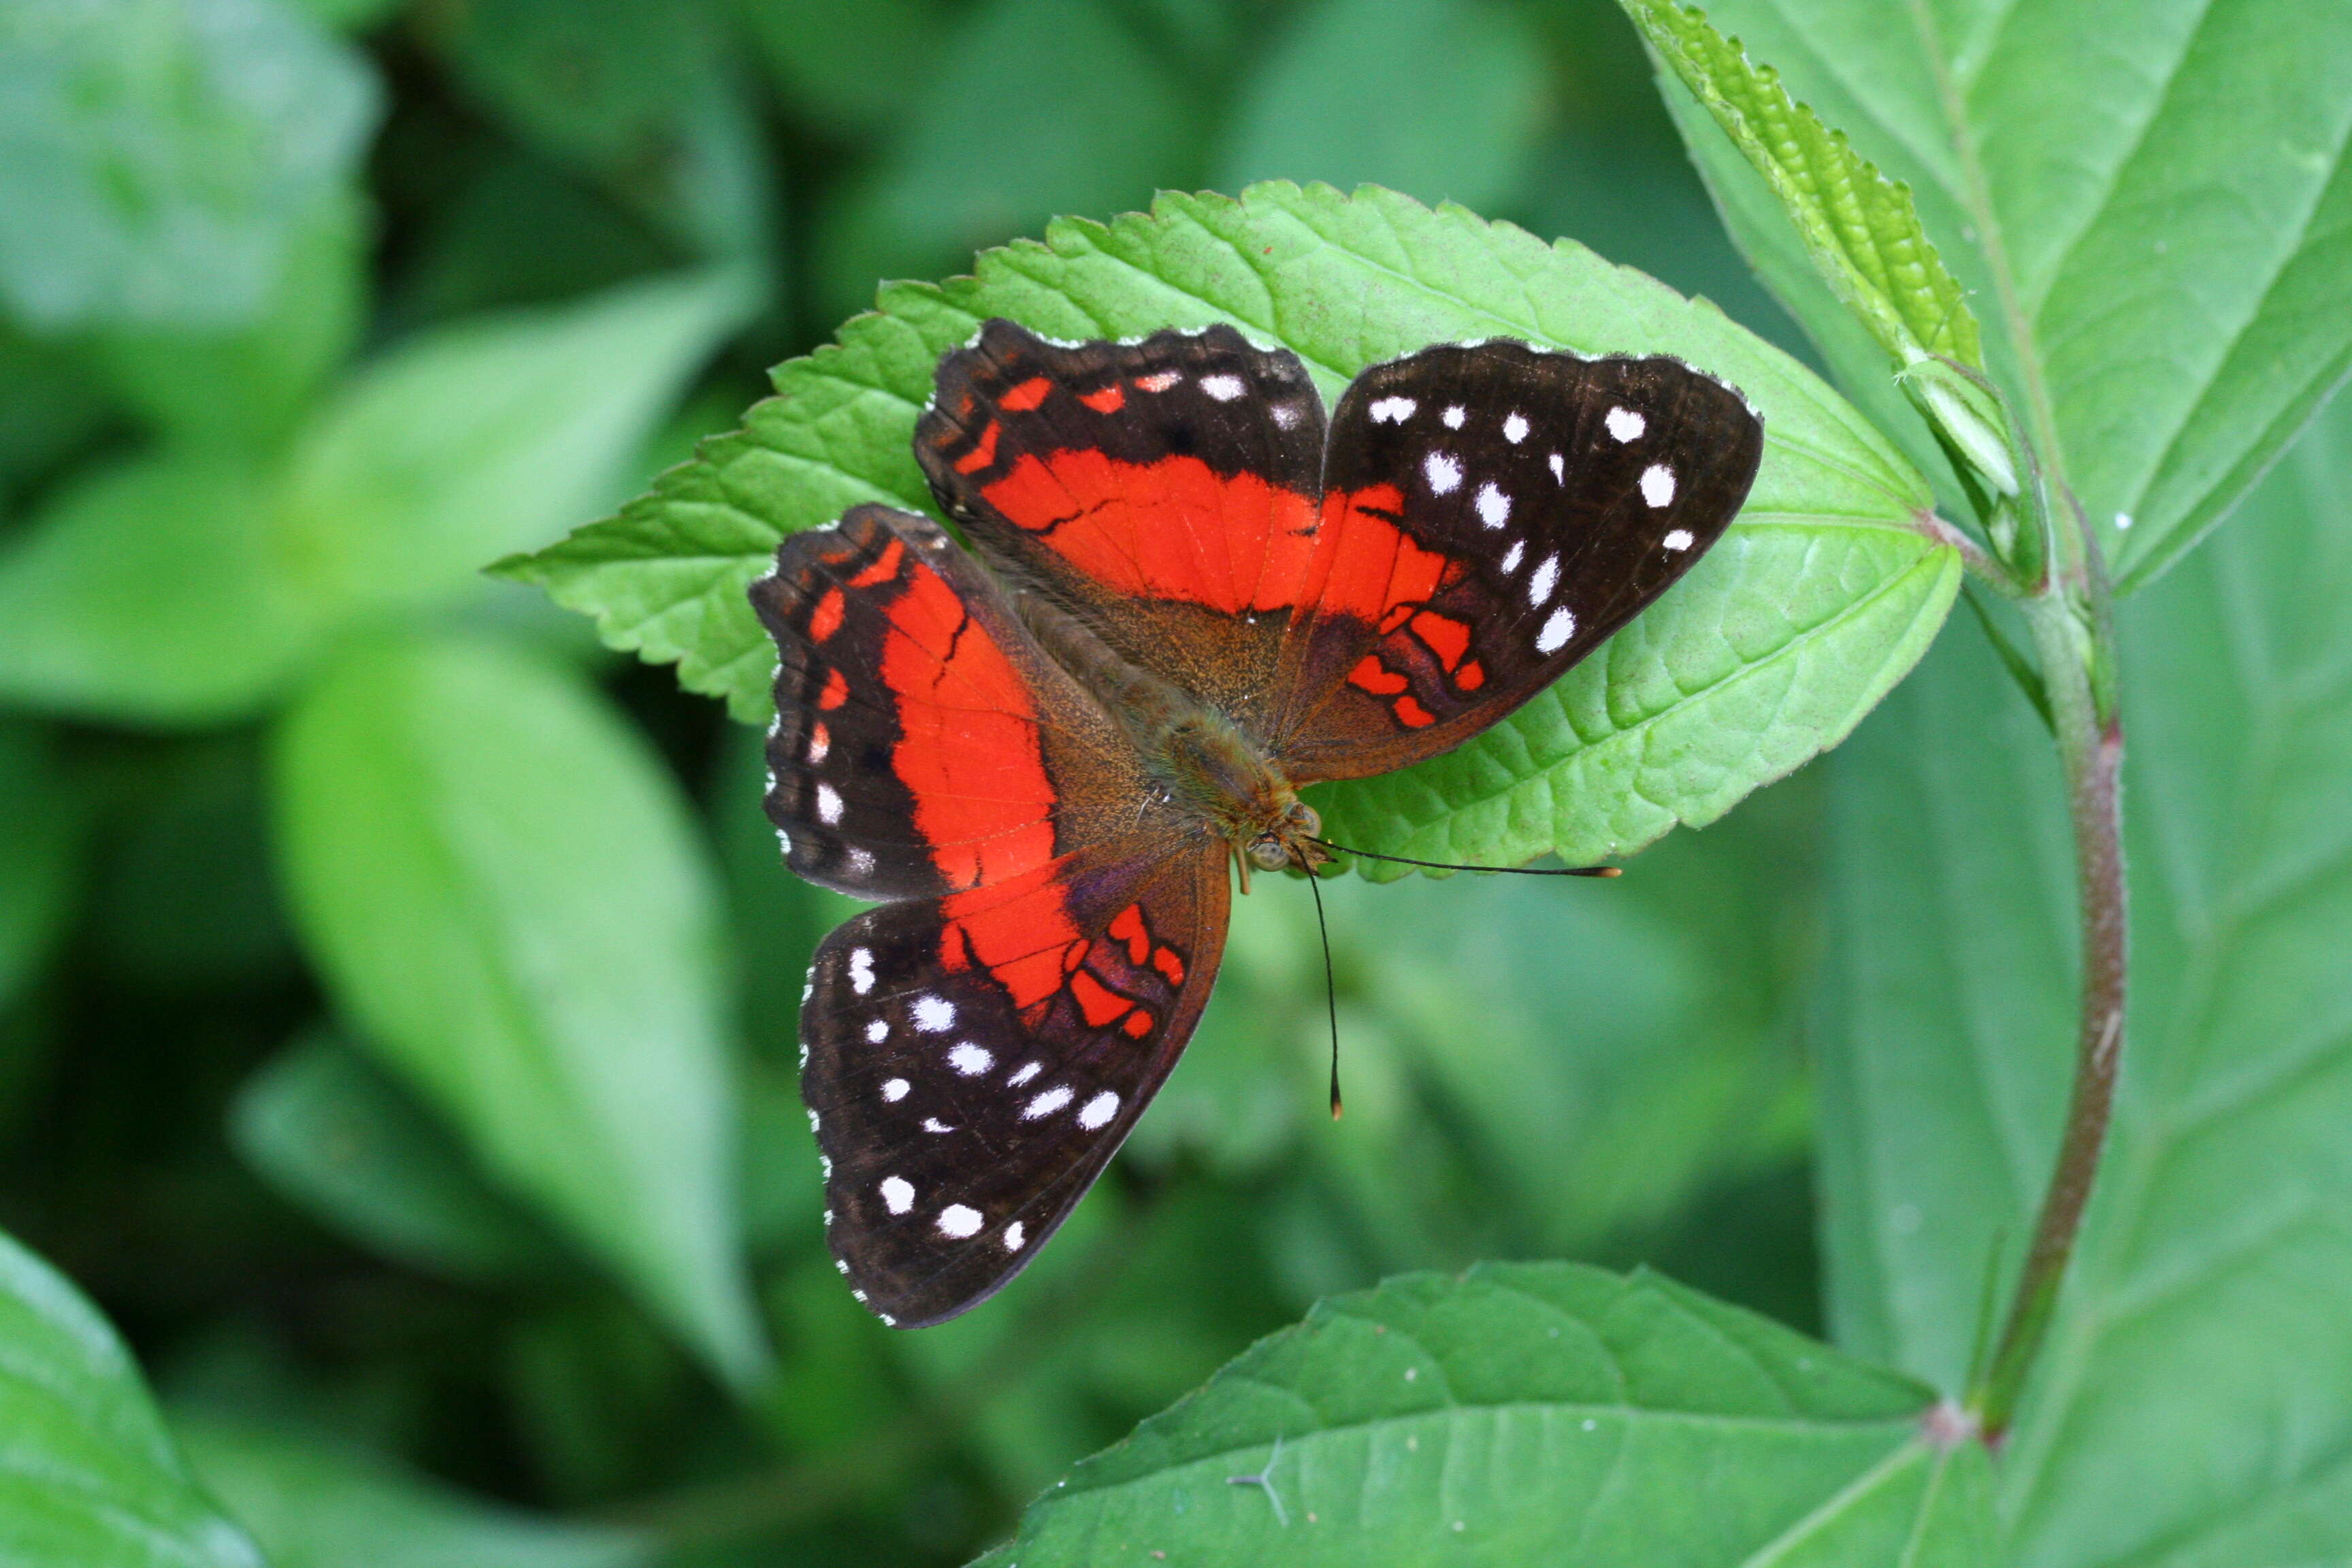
(973, 1061)
(1164, 491)
(1497, 511)
(924, 743)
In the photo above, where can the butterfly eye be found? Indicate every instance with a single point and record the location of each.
(1306, 818)
(1268, 855)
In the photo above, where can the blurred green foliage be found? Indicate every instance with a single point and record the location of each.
(275, 744)
(397, 990)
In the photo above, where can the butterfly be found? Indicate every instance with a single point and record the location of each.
(1184, 593)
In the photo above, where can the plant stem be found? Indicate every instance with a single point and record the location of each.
(2073, 637)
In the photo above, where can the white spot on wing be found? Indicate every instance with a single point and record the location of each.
(1045, 1104)
(1680, 539)
(934, 1015)
(1223, 388)
(959, 1222)
(1454, 416)
(1558, 628)
(1625, 424)
(971, 1060)
(1558, 468)
(1443, 473)
(820, 744)
(898, 1194)
(861, 970)
(1512, 556)
(1393, 410)
(861, 863)
(1160, 382)
(1494, 506)
(1014, 1237)
(877, 1031)
(933, 1124)
(1026, 1074)
(1657, 484)
(894, 1090)
(1515, 429)
(1545, 578)
(1098, 1111)
(1285, 415)
(828, 804)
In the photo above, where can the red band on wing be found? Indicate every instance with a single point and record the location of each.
(1098, 1003)
(1170, 529)
(885, 567)
(826, 619)
(1370, 567)
(1128, 927)
(968, 750)
(1026, 396)
(980, 456)
(1020, 932)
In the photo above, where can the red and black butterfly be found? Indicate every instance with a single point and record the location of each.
(1185, 595)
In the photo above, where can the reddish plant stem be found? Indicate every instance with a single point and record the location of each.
(2073, 634)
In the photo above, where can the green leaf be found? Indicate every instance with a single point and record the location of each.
(159, 590)
(503, 891)
(1859, 228)
(2162, 344)
(315, 1504)
(488, 435)
(1461, 86)
(826, 57)
(1518, 1413)
(88, 1474)
(1817, 602)
(38, 856)
(633, 91)
(158, 159)
(1033, 72)
(247, 389)
(187, 588)
(55, 405)
(335, 1137)
(1635, 1041)
(2185, 1411)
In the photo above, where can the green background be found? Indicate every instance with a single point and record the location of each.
(397, 989)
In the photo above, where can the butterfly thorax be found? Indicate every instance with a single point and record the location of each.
(1204, 760)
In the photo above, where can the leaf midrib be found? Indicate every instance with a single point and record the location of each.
(1771, 1425)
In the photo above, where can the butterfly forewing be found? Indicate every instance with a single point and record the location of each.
(973, 1061)
(923, 741)
(1165, 491)
(1498, 511)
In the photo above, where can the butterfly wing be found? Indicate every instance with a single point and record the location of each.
(924, 743)
(1164, 491)
(976, 1049)
(974, 1060)
(1492, 512)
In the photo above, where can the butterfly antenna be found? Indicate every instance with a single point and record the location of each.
(1330, 990)
(1450, 866)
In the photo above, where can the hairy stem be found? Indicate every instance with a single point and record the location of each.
(2073, 638)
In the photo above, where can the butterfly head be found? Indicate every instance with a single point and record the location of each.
(1290, 840)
